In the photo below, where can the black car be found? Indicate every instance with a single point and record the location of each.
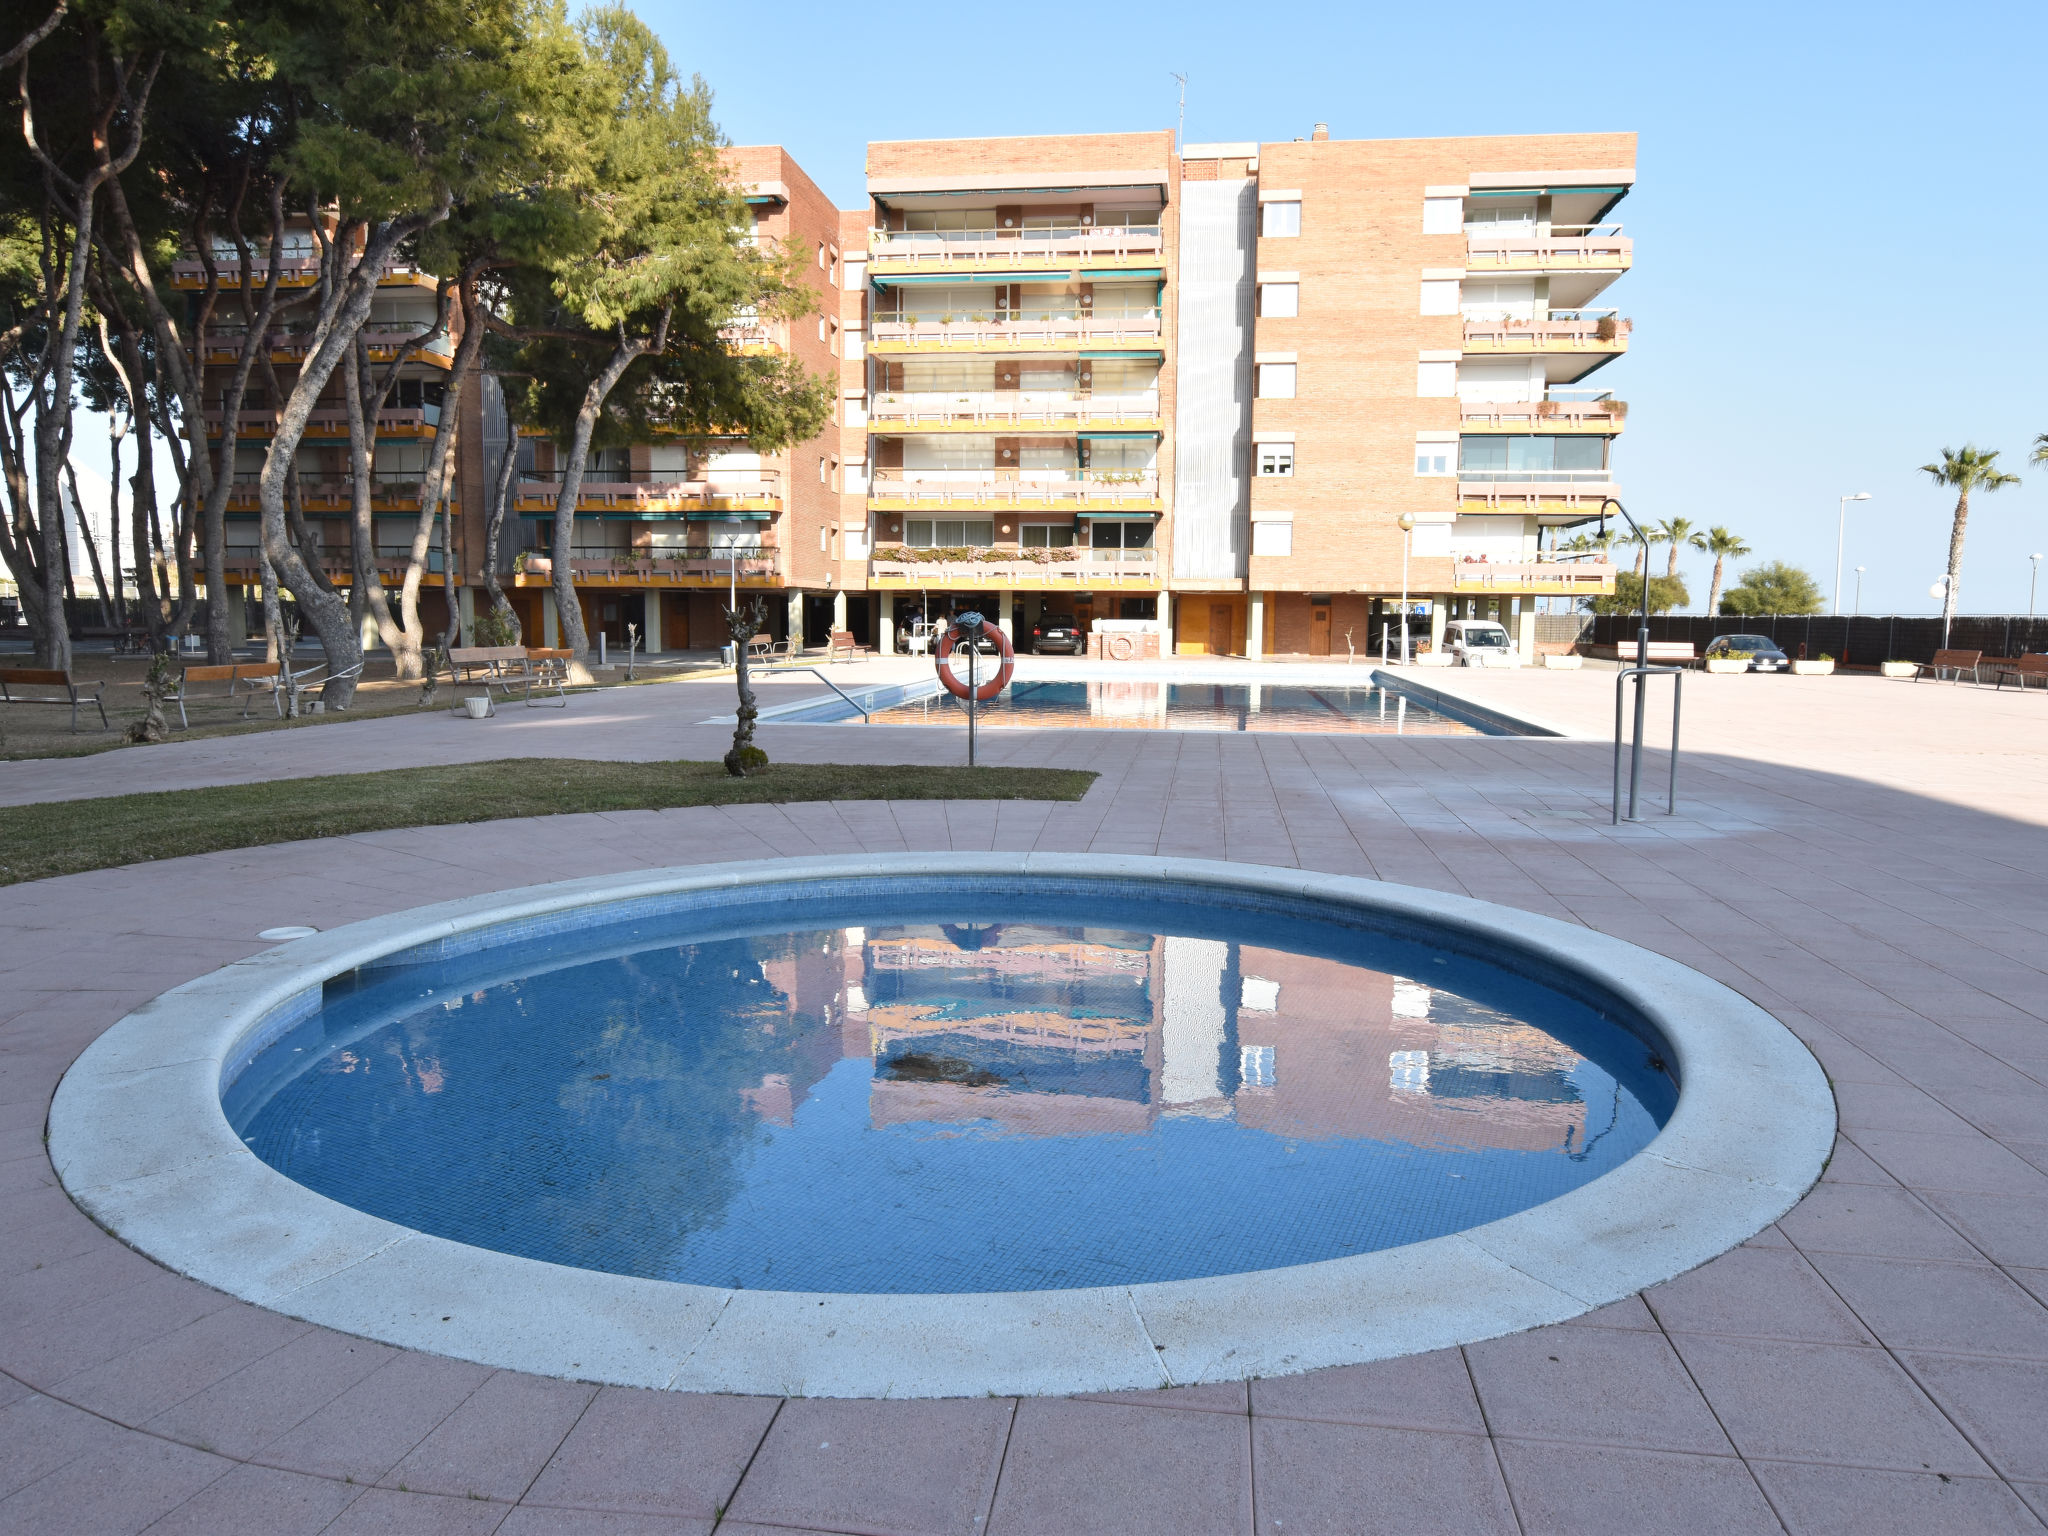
(1057, 632)
(1760, 651)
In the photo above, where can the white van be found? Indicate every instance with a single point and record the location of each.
(1480, 643)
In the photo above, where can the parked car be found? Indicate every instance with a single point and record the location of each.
(1760, 651)
(1480, 643)
(1057, 632)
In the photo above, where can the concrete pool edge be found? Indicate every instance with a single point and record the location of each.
(139, 1139)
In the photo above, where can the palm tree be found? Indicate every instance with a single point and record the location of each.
(1676, 532)
(1964, 470)
(2040, 455)
(1723, 546)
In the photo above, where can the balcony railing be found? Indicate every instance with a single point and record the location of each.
(755, 336)
(224, 342)
(1478, 574)
(656, 489)
(1535, 476)
(970, 334)
(755, 561)
(1567, 246)
(1013, 407)
(1014, 487)
(1601, 333)
(402, 421)
(292, 271)
(1024, 249)
(1079, 568)
(1543, 415)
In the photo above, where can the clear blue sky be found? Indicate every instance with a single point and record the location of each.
(1841, 227)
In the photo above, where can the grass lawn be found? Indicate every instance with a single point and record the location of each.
(65, 837)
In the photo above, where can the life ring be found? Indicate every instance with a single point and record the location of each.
(983, 691)
(1119, 647)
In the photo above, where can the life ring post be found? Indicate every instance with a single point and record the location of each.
(972, 627)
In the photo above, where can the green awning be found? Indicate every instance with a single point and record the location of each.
(1119, 517)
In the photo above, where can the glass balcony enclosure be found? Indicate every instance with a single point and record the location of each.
(1503, 457)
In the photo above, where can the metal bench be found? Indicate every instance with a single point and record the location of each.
(2026, 669)
(258, 676)
(12, 678)
(510, 669)
(1949, 666)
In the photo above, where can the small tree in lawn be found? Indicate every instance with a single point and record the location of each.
(1963, 470)
(1723, 546)
(743, 624)
(1773, 588)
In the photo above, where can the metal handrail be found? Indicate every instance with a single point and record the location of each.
(821, 677)
(1635, 778)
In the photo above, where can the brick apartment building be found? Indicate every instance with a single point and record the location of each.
(1195, 393)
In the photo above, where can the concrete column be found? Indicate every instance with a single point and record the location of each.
(794, 608)
(650, 639)
(238, 614)
(839, 609)
(550, 623)
(1167, 617)
(369, 637)
(1006, 614)
(885, 623)
(1255, 628)
(465, 606)
(1437, 619)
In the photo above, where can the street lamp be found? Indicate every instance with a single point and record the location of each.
(1407, 525)
(1841, 532)
(1939, 592)
(1859, 591)
(2033, 582)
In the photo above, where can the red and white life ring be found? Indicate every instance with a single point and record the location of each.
(985, 688)
(1119, 647)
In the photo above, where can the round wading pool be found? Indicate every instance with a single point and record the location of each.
(929, 1124)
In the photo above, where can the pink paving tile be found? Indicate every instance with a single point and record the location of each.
(365, 1431)
(1432, 1391)
(1763, 1293)
(152, 1377)
(1825, 1403)
(1849, 1501)
(1577, 1490)
(1974, 1164)
(1848, 1165)
(106, 1327)
(386, 1512)
(1104, 1469)
(1355, 1480)
(1630, 1312)
(890, 1469)
(242, 1413)
(259, 1501)
(39, 1434)
(2001, 1404)
(527, 1520)
(1210, 1397)
(1607, 1386)
(1964, 1308)
(1890, 1222)
(120, 1486)
(667, 1453)
(495, 1444)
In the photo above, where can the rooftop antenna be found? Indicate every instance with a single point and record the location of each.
(1180, 137)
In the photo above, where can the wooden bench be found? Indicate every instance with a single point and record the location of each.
(259, 676)
(1949, 666)
(841, 643)
(512, 668)
(2033, 666)
(12, 678)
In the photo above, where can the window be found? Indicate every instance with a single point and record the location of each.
(1276, 381)
(1105, 534)
(821, 328)
(1432, 458)
(1435, 380)
(1258, 995)
(1408, 1071)
(924, 533)
(1255, 1063)
(1276, 459)
(1484, 454)
(1279, 220)
(1439, 296)
(1443, 215)
(1411, 1000)
(1279, 301)
(821, 541)
(1273, 540)
(1046, 535)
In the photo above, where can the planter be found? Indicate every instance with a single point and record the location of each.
(1899, 668)
(1436, 659)
(1813, 668)
(1570, 661)
(1727, 664)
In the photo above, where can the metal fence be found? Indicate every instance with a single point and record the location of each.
(1861, 641)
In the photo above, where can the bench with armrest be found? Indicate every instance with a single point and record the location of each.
(245, 679)
(69, 692)
(842, 644)
(510, 668)
(2027, 669)
(1949, 666)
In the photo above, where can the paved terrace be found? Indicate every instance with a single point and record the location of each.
(1864, 859)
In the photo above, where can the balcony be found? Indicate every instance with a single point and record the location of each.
(991, 410)
(755, 338)
(290, 343)
(754, 490)
(401, 422)
(1542, 578)
(293, 271)
(1567, 248)
(890, 335)
(1593, 417)
(757, 565)
(1069, 490)
(1072, 570)
(392, 490)
(1100, 247)
(1600, 333)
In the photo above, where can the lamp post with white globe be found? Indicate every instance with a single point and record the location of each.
(1407, 524)
(2033, 583)
(1939, 592)
(1859, 591)
(1841, 534)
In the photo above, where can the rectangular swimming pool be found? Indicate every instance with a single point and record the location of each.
(1159, 705)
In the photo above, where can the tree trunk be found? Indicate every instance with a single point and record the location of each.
(367, 596)
(434, 481)
(1955, 564)
(745, 758)
(494, 521)
(1714, 595)
(92, 549)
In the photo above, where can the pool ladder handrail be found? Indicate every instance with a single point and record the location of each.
(821, 677)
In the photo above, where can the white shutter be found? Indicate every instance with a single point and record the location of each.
(1439, 296)
(1435, 381)
(1443, 215)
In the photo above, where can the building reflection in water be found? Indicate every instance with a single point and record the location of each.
(1034, 1030)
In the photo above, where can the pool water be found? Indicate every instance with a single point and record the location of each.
(1163, 706)
(898, 1088)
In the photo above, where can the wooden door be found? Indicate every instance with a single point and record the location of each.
(1319, 631)
(1221, 628)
